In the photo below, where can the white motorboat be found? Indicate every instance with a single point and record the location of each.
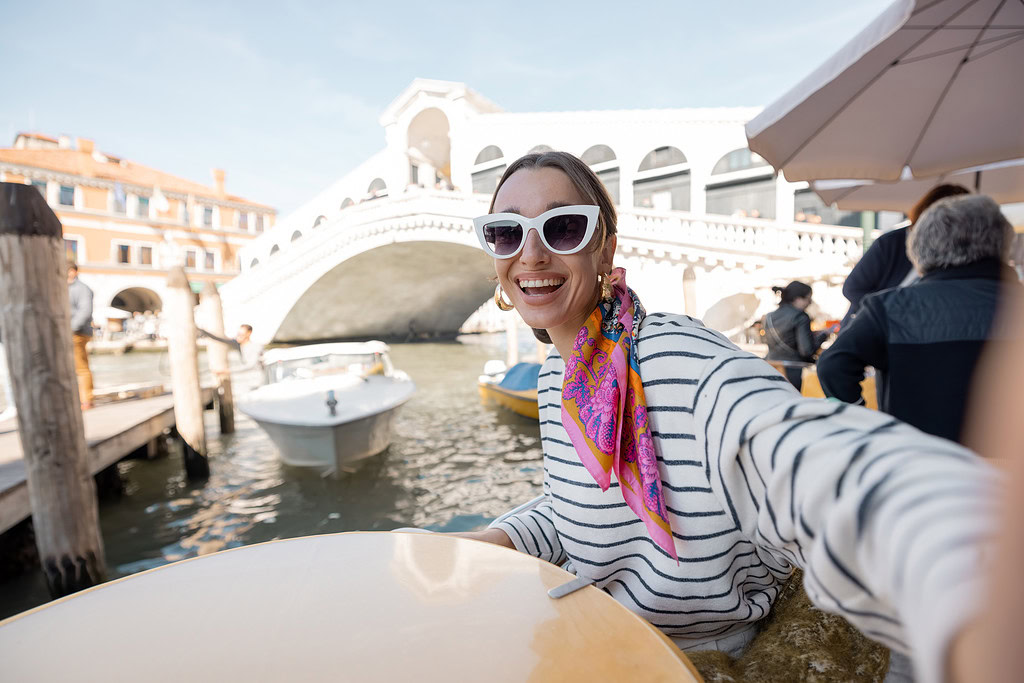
(328, 405)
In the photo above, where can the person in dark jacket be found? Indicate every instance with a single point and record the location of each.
(885, 264)
(788, 331)
(924, 340)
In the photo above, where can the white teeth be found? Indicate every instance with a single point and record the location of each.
(541, 283)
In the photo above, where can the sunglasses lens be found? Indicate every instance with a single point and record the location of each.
(503, 237)
(565, 232)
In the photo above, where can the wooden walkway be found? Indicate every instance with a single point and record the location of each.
(112, 432)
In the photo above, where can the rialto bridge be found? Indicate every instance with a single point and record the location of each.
(410, 265)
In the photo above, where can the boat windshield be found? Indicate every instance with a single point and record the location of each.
(362, 364)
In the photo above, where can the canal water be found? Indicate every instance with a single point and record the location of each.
(454, 465)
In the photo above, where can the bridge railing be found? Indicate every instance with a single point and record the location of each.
(769, 238)
(743, 235)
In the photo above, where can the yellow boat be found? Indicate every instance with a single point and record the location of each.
(514, 389)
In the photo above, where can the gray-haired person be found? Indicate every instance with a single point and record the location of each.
(924, 340)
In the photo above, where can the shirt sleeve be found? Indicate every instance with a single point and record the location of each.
(533, 531)
(805, 345)
(888, 523)
(841, 366)
(81, 310)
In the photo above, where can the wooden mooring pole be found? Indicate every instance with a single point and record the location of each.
(35, 318)
(217, 355)
(184, 359)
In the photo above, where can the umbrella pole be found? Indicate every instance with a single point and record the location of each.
(867, 225)
(977, 182)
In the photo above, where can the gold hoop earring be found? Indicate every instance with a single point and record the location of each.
(606, 287)
(499, 302)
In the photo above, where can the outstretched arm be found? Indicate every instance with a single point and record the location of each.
(223, 340)
(888, 523)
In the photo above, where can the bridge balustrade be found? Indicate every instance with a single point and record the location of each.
(415, 209)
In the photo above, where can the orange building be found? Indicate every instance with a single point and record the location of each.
(127, 224)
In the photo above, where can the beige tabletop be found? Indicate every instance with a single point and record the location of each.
(344, 607)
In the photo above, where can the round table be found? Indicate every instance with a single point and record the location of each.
(342, 607)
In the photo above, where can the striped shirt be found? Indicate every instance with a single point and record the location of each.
(886, 522)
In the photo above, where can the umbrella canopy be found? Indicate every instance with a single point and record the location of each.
(930, 84)
(732, 313)
(1004, 182)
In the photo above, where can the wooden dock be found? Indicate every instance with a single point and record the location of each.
(112, 431)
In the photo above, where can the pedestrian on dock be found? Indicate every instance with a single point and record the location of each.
(688, 479)
(81, 332)
(251, 353)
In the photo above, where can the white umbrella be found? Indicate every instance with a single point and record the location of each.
(931, 84)
(731, 314)
(1004, 182)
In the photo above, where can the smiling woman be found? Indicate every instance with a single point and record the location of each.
(688, 479)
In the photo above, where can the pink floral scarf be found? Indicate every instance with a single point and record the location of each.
(605, 413)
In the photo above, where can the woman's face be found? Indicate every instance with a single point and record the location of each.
(562, 306)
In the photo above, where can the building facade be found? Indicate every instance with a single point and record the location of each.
(444, 135)
(126, 224)
(705, 226)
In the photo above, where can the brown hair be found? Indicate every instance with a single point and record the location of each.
(583, 179)
(72, 266)
(586, 183)
(933, 195)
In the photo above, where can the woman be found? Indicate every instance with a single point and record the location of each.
(687, 478)
(788, 331)
(925, 341)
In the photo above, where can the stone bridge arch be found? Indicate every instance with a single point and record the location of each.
(419, 276)
(401, 290)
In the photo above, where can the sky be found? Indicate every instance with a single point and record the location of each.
(286, 96)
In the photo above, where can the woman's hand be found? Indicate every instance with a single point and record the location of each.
(495, 536)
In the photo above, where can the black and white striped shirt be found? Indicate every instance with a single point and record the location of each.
(886, 521)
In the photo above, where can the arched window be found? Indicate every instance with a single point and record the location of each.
(320, 220)
(663, 181)
(738, 160)
(598, 154)
(540, 149)
(296, 235)
(742, 185)
(488, 169)
(489, 153)
(603, 163)
(254, 263)
(662, 157)
(274, 249)
(347, 202)
(377, 188)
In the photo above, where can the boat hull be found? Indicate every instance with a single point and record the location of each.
(520, 402)
(338, 446)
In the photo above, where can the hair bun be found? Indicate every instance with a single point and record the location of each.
(777, 290)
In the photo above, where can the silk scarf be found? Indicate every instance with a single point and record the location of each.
(604, 409)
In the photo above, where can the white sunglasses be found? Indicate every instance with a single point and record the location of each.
(563, 230)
